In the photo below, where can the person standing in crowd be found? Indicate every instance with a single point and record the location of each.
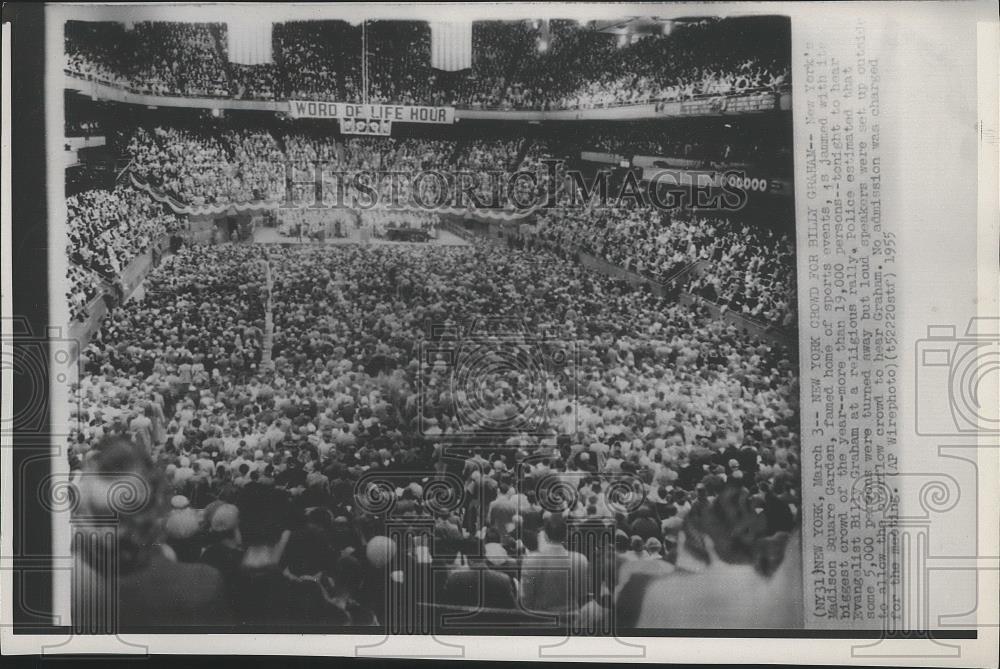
(729, 571)
(348, 583)
(281, 579)
(553, 579)
(149, 588)
(141, 428)
(224, 551)
(464, 586)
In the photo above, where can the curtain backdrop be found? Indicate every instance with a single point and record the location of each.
(451, 46)
(250, 41)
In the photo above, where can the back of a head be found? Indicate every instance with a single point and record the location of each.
(348, 573)
(308, 552)
(445, 549)
(380, 551)
(321, 518)
(530, 540)
(263, 515)
(472, 549)
(555, 528)
(738, 533)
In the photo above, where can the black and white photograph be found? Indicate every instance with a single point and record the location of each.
(647, 332)
(430, 325)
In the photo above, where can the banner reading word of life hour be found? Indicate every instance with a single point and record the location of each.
(397, 113)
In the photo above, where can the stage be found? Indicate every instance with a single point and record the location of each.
(270, 235)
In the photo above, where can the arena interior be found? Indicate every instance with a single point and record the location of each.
(521, 416)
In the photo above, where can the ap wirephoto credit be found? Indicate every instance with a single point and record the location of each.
(523, 330)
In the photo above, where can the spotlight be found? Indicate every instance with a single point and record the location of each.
(543, 45)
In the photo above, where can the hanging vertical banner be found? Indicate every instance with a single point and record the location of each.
(451, 46)
(249, 41)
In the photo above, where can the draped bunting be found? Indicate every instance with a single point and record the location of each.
(249, 41)
(451, 46)
(179, 207)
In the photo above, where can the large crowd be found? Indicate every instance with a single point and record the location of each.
(743, 268)
(515, 64)
(748, 269)
(106, 230)
(318, 60)
(275, 478)
(205, 166)
(229, 165)
(223, 163)
(310, 436)
(157, 58)
(99, 50)
(82, 287)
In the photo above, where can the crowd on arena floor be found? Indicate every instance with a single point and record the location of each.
(267, 503)
(513, 66)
